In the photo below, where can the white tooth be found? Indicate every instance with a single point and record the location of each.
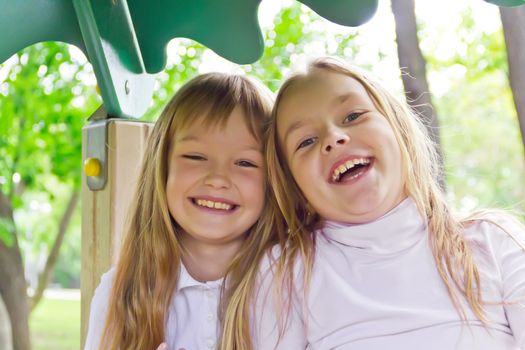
(342, 168)
(213, 205)
(336, 172)
(349, 164)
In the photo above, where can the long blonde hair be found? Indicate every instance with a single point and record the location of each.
(148, 268)
(420, 168)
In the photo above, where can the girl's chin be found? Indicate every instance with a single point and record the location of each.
(360, 214)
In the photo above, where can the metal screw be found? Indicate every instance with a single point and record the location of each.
(126, 87)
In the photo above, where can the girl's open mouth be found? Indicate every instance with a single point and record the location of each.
(351, 170)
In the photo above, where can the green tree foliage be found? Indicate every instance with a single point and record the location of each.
(43, 108)
(484, 157)
(44, 103)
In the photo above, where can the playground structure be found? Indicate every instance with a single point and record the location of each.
(126, 41)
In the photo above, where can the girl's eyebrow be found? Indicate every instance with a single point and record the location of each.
(253, 148)
(293, 127)
(344, 97)
(194, 138)
(188, 138)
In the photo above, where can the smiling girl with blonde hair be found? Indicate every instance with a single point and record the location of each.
(197, 226)
(374, 257)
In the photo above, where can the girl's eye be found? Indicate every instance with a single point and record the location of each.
(246, 164)
(193, 157)
(352, 116)
(306, 143)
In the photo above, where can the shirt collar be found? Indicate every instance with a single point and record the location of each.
(398, 229)
(186, 281)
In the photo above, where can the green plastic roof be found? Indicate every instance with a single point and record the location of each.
(126, 41)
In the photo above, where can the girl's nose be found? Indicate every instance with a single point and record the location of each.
(217, 179)
(333, 139)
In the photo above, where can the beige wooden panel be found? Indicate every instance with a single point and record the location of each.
(104, 211)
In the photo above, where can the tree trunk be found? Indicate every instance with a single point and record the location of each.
(513, 20)
(5, 328)
(413, 71)
(13, 284)
(45, 275)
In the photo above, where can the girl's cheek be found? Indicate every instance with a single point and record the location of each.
(255, 179)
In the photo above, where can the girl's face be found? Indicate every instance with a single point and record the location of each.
(340, 149)
(215, 186)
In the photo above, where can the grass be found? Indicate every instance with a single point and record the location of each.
(55, 325)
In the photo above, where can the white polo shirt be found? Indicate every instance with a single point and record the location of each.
(192, 316)
(376, 286)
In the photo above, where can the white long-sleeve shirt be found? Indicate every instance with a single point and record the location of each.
(376, 286)
(192, 317)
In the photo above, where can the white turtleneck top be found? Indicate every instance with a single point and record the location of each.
(376, 286)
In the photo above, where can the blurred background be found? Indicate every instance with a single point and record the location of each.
(48, 90)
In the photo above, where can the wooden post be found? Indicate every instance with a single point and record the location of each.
(104, 211)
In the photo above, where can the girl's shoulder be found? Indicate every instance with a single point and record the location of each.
(497, 242)
(274, 262)
(98, 310)
(104, 287)
(273, 255)
(495, 233)
(107, 277)
(495, 226)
